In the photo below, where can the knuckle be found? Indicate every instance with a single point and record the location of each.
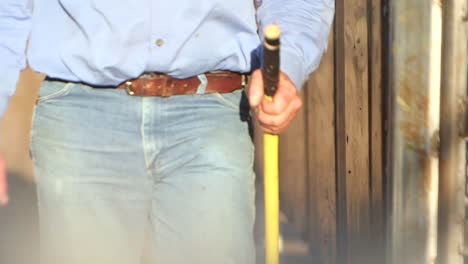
(276, 109)
(263, 118)
(275, 122)
(275, 131)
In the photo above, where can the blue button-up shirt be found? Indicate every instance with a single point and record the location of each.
(105, 42)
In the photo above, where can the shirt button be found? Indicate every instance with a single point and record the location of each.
(159, 42)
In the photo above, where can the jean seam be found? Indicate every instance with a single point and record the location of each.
(143, 138)
(226, 102)
(62, 92)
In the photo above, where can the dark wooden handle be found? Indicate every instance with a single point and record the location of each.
(271, 59)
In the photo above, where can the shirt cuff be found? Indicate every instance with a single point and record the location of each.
(8, 82)
(293, 66)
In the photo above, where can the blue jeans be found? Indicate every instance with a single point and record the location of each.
(114, 171)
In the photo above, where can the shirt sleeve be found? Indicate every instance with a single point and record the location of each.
(305, 25)
(15, 20)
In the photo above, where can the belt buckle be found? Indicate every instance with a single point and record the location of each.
(129, 88)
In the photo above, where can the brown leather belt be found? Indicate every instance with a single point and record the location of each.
(156, 84)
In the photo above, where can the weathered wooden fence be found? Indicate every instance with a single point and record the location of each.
(331, 158)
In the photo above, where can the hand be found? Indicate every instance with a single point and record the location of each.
(3, 183)
(274, 117)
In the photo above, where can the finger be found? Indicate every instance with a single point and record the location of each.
(286, 93)
(255, 89)
(277, 119)
(270, 131)
(278, 123)
(276, 129)
(272, 121)
(278, 105)
(266, 129)
(3, 183)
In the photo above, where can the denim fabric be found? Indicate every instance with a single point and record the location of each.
(113, 170)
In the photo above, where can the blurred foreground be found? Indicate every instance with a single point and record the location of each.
(19, 243)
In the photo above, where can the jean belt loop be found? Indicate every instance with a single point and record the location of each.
(203, 83)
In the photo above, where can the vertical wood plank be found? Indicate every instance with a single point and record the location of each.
(293, 173)
(340, 114)
(321, 158)
(357, 129)
(415, 99)
(452, 151)
(376, 138)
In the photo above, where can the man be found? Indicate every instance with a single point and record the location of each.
(170, 154)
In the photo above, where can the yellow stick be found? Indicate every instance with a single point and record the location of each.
(271, 182)
(271, 179)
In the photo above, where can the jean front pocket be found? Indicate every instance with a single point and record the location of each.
(236, 100)
(52, 90)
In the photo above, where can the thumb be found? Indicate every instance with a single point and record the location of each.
(255, 88)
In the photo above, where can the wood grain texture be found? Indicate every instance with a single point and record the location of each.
(293, 173)
(376, 128)
(321, 158)
(340, 115)
(357, 129)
